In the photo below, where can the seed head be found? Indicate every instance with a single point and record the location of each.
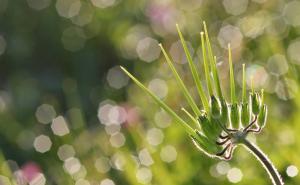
(220, 124)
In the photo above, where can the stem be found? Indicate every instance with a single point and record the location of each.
(272, 171)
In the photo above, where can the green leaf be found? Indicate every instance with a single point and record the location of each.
(186, 94)
(206, 67)
(194, 71)
(175, 117)
(232, 85)
(213, 62)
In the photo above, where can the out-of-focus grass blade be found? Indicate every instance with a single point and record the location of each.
(232, 85)
(244, 98)
(190, 116)
(206, 67)
(161, 104)
(194, 71)
(187, 95)
(213, 62)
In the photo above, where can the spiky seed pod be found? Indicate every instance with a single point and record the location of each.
(217, 117)
(235, 115)
(245, 114)
(216, 108)
(255, 100)
(224, 114)
(262, 116)
(206, 125)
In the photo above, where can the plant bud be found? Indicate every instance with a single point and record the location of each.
(262, 116)
(245, 114)
(206, 126)
(215, 107)
(235, 116)
(204, 144)
(255, 100)
(224, 115)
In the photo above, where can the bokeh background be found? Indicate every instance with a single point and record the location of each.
(68, 115)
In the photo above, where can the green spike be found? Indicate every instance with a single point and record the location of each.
(244, 98)
(252, 85)
(190, 116)
(262, 96)
(175, 117)
(216, 78)
(187, 95)
(232, 85)
(194, 71)
(206, 67)
(212, 63)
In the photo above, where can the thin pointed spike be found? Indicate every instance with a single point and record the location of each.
(187, 95)
(252, 85)
(216, 79)
(206, 67)
(262, 96)
(194, 71)
(191, 117)
(212, 60)
(176, 118)
(244, 98)
(232, 85)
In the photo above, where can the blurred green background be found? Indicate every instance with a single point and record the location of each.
(68, 115)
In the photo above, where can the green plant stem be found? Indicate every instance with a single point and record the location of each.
(265, 161)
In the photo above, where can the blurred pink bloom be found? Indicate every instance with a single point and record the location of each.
(162, 16)
(133, 116)
(30, 170)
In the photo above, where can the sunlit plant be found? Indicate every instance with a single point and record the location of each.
(221, 125)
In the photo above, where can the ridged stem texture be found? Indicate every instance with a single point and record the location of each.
(265, 161)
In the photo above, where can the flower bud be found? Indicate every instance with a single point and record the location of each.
(206, 126)
(224, 115)
(245, 114)
(255, 100)
(235, 115)
(204, 144)
(262, 116)
(215, 107)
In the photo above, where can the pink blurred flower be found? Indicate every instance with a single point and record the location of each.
(30, 170)
(133, 116)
